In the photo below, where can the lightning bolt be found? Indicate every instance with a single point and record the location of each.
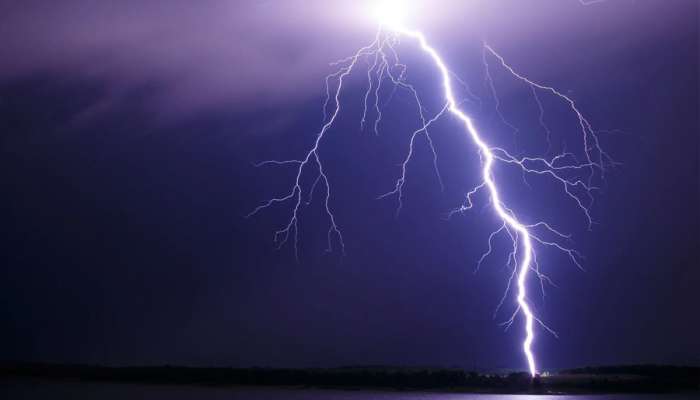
(574, 176)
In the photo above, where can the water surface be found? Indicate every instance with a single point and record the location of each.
(45, 390)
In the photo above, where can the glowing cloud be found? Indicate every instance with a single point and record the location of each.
(390, 13)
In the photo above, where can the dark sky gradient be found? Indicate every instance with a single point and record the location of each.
(129, 131)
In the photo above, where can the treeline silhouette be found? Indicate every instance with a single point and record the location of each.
(627, 379)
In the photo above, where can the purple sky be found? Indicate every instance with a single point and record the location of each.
(126, 242)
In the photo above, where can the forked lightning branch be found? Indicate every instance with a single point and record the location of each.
(573, 171)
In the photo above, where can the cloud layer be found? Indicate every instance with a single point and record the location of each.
(244, 52)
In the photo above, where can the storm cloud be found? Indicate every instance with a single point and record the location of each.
(244, 53)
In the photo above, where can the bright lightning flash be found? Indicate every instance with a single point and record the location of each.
(564, 169)
(391, 13)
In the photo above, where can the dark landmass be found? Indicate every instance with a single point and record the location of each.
(611, 379)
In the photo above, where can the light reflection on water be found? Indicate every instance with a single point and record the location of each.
(43, 390)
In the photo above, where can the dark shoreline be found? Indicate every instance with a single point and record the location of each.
(591, 380)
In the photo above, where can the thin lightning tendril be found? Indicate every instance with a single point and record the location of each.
(575, 178)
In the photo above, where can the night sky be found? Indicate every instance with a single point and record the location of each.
(129, 134)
